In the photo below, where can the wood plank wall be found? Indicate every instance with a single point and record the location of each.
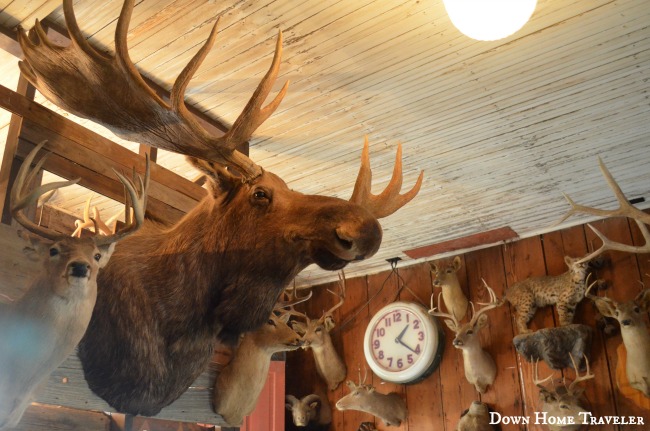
(437, 402)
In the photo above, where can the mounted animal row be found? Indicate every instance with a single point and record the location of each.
(170, 292)
(42, 328)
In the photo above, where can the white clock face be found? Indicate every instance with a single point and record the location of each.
(402, 342)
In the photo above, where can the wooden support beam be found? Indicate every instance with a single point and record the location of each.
(7, 168)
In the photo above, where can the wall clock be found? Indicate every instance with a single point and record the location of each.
(403, 343)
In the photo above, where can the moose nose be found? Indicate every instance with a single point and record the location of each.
(79, 269)
(361, 241)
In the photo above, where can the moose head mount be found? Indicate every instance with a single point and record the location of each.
(168, 292)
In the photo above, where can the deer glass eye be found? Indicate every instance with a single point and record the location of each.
(637, 310)
(470, 332)
(564, 406)
(271, 322)
(319, 330)
(54, 251)
(97, 257)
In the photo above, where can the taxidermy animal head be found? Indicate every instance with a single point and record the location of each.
(476, 418)
(631, 315)
(41, 329)
(169, 291)
(562, 401)
(445, 276)
(316, 336)
(480, 369)
(391, 408)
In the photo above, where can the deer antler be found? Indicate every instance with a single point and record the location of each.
(442, 314)
(625, 209)
(388, 201)
(340, 295)
(536, 381)
(494, 302)
(21, 198)
(588, 375)
(94, 222)
(109, 89)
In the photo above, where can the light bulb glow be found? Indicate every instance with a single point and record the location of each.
(489, 19)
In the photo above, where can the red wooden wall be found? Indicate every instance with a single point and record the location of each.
(437, 402)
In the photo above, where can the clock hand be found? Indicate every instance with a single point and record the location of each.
(401, 334)
(408, 347)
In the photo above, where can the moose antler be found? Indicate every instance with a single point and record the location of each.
(625, 209)
(388, 201)
(109, 89)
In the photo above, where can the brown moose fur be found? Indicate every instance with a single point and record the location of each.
(169, 293)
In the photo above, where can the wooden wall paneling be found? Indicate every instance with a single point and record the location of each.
(424, 399)
(524, 259)
(457, 392)
(52, 418)
(351, 337)
(504, 396)
(621, 288)
(384, 285)
(599, 391)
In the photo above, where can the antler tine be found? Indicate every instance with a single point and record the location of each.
(494, 302)
(440, 313)
(580, 378)
(610, 304)
(138, 199)
(21, 199)
(340, 295)
(389, 200)
(625, 209)
(76, 37)
(536, 381)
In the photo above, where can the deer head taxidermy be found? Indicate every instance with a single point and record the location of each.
(445, 276)
(563, 406)
(41, 329)
(316, 336)
(631, 315)
(168, 292)
(480, 368)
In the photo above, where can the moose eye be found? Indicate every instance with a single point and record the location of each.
(54, 251)
(97, 257)
(260, 194)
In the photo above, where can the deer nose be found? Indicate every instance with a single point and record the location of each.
(457, 343)
(79, 269)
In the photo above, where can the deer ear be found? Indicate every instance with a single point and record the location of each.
(568, 261)
(545, 396)
(643, 299)
(451, 325)
(457, 263)
(604, 307)
(299, 327)
(34, 246)
(482, 321)
(329, 323)
(350, 384)
(106, 251)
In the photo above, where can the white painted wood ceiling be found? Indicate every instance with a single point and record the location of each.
(500, 128)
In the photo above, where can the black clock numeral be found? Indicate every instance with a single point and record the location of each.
(397, 316)
(416, 324)
(400, 363)
(376, 344)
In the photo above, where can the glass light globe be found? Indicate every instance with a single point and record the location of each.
(489, 19)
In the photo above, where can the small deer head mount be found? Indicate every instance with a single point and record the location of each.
(445, 277)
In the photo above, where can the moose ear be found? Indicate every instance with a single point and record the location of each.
(220, 180)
